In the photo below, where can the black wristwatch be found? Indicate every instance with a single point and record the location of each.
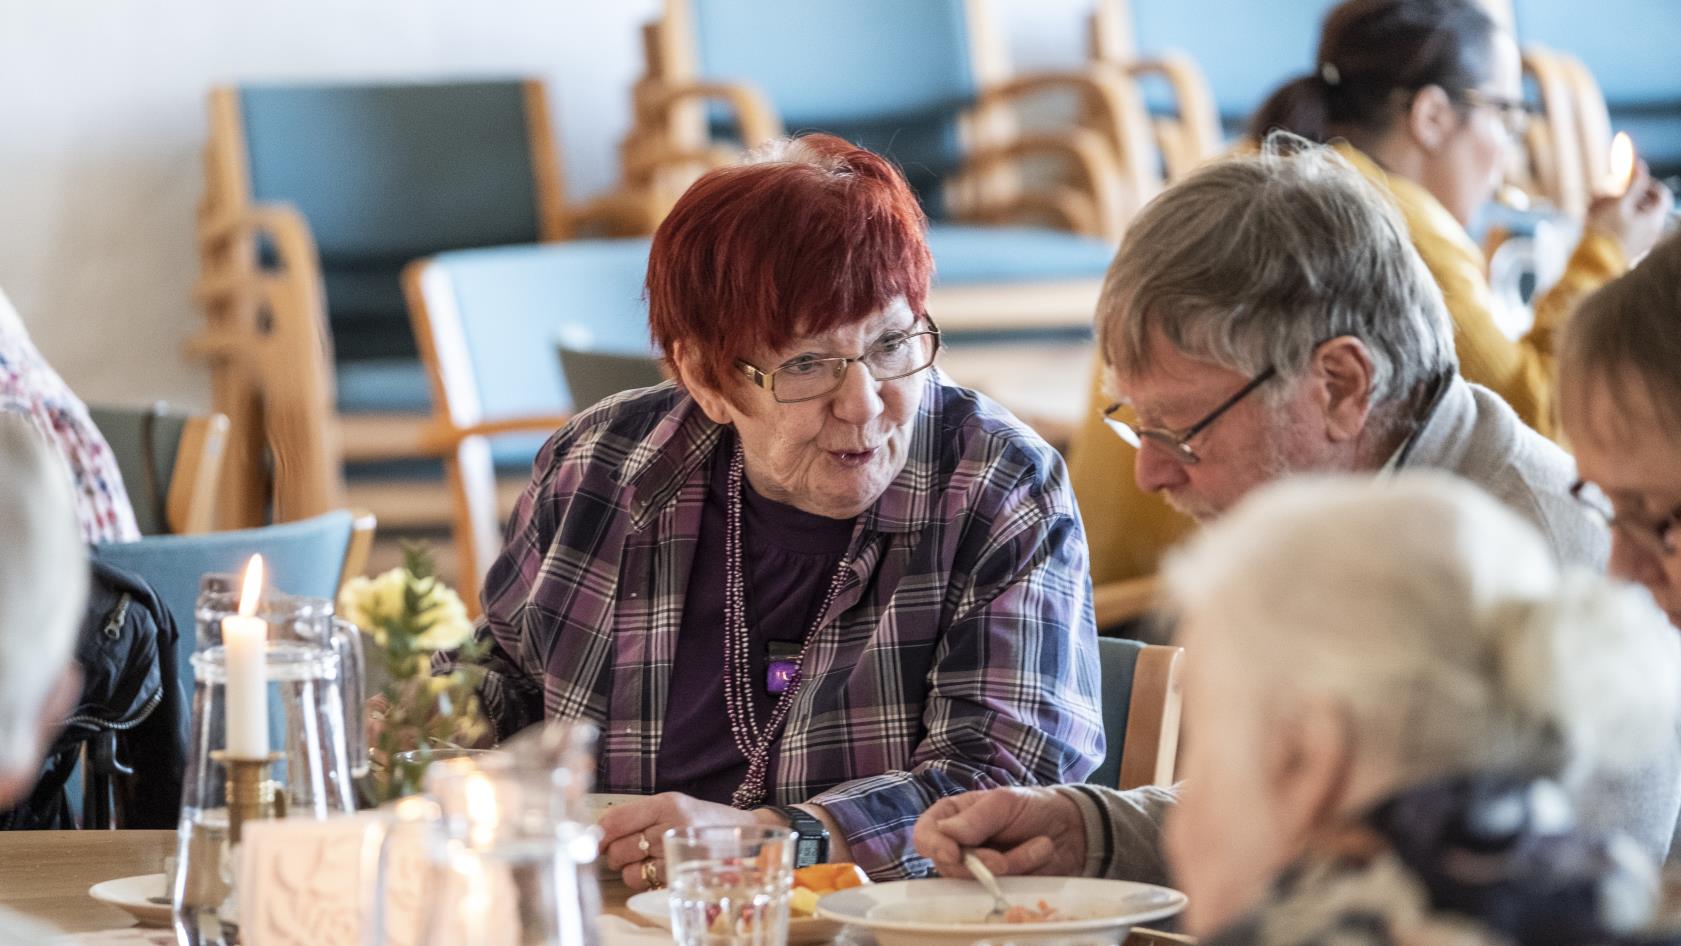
(813, 844)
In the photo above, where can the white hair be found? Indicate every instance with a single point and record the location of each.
(43, 584)
(1252, 261)
(1438, 619)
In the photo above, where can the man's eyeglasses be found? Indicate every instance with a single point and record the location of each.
(1120, 419)
(1514, 113)
(894, 355)
(1659, 538)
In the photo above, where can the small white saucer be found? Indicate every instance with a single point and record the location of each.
(132, 894)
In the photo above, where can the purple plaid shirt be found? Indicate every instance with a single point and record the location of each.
(961, 654)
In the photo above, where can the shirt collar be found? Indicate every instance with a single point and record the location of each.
(1447, 390)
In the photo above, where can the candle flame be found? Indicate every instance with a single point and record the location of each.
(253, 587)
(1620, 175)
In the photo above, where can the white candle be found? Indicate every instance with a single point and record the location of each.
(245, 643)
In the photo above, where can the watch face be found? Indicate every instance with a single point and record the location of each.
(807, 852)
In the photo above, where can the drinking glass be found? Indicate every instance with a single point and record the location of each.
(730, 885)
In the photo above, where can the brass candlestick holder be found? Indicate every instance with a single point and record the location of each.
(250, 794)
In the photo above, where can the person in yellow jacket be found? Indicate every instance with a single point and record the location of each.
(1424, 97)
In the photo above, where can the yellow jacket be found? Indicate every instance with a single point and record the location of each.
(1127, 529)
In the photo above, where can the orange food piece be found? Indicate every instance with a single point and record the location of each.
(828, 878)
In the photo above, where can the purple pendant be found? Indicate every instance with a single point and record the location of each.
(780, 674)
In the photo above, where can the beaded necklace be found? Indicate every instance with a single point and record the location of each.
(753, 740)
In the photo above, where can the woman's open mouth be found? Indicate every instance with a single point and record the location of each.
(854, 458)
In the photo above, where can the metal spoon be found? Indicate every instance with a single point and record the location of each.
(1000, 906)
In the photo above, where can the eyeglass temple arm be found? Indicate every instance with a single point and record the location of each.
(1225, 405)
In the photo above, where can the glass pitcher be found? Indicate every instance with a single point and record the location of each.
(494, 853)
(307, 772)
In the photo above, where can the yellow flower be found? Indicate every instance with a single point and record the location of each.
(447, 617)
(370, 603)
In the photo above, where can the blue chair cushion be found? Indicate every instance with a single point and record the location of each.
(366, 308)
(1118, 658)
(966, 255)
(383, 385)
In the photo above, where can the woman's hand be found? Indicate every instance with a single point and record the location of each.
(632, 833)
(1014, 831)
(1636, 217)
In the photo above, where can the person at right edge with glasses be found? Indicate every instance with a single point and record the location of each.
(1268, 317)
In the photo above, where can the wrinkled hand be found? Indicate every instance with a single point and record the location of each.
(1637, 217)
(1014, 831)
(625, 827)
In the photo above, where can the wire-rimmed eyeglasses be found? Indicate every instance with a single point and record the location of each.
(1515, 114)
(1659, 538)
(1175, 442)
(895, 355)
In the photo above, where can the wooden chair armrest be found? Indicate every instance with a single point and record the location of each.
(621, 213)
(440, 439)
(1151, 744)
(1085, 152)
(190, 507)
(363, 524)
(754, 114)
(1199, 118)
(1119, 601)
(1116, 108)
(1072, 208)
(288, 235)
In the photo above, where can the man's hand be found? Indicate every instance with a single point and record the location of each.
(1013, 831)
(632, 833)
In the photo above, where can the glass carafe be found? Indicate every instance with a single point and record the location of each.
(307, 773)
(494, 853)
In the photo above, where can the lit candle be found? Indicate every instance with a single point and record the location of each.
(245, 642)
(1620, 173)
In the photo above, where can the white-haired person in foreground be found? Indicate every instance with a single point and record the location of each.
(1392, 689)
(43, 584)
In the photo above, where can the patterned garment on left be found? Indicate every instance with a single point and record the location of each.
(1465, 861)
(30, 387)
(959, 653)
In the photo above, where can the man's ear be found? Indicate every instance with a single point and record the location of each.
(1342, 372)
(1309, 767)
(1432, 117)
(712, 402)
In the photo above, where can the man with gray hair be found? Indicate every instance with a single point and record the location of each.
(43, 586)
(1268, 316)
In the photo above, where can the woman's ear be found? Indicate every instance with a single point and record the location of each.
(1310, 764)
(712, 402)
(1342, 370)
(1432, 117)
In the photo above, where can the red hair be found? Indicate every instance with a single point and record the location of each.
(810, 234)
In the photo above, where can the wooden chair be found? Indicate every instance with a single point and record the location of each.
(488, 322)
(171, 463)
(1185, 120)
(316, 196)
(926, 84)
(1141, 708)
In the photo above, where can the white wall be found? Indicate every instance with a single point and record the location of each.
(102, 119)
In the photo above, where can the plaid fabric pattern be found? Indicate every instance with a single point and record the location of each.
(960, 654)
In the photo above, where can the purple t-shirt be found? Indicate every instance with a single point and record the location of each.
(788, 557)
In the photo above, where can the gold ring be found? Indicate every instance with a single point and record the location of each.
(650, 874)
(642, 844)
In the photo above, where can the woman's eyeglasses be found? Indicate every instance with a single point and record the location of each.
(1177, 443)
(1659, 538)
(895, 355)
(1515, 114)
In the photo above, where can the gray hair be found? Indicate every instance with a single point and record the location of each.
(1437, 618)
(43, 584)
(1252, 261)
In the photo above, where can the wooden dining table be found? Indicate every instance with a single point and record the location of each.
(46, 875)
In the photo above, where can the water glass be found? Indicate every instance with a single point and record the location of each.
(730, 885)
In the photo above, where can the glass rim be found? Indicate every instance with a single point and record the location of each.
(755, 832)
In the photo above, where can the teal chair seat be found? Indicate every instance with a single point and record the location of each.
(305, 557)
(1118, 658)
(964, 255)
(382, 385)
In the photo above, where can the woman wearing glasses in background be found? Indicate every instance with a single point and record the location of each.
(1427, 97)
(809, 582)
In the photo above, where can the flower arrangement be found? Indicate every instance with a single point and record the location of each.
(408, 615)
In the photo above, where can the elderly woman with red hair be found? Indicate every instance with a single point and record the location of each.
(809, 582)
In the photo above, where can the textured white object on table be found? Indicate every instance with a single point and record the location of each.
(618, 931)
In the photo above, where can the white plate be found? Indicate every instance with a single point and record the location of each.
(131, 893)
(931, 912)
(655, 905)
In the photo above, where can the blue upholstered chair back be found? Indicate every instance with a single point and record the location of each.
(510, 306)
(1246, 50)
(302, 558)
(387, 173)
(1119, 658)
(887, 74)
